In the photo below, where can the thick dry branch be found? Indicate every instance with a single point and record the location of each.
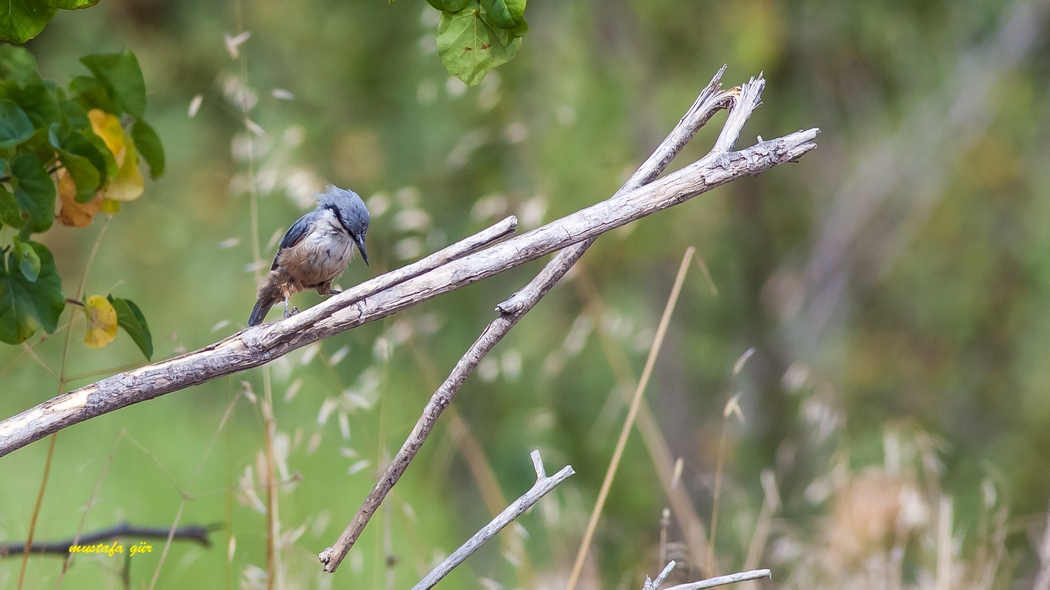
(259, 345)
(538, 490)
(442, 398)
(195, 533)
(710, 101)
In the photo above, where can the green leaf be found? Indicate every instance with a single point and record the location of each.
(469, 47)
(26, 259)
(15, 126)
(148, 143)
(120, 75)
(78, 144)
(10, 214)
(21, 20)
(17, 64)
(111, 169)
(38, 101)
(84, 174)
(34, 191)
(83, 171)
(74, 114)
(70, 4)
(80, 84)
(26, 306)
(91, 94)
(449, 5)
(130, 317)
(39, 145)
(505, 14)
(519, 31)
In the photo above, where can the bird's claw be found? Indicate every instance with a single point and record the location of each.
(288, 314)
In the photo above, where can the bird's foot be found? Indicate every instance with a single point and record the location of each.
(288, 314)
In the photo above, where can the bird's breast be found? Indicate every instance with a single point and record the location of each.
(320, 257)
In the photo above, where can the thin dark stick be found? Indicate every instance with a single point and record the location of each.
(194, 533)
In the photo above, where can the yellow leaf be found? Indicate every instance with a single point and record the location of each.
(108, 127)
(74, 213)
(110, 207)
(102, 322)
(128, 184)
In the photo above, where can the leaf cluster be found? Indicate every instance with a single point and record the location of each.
(76, 150)
(21, 20)
(474, 36)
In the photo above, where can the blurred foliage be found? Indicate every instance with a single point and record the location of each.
(893, 285)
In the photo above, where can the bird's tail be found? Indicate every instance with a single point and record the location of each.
(269, 295)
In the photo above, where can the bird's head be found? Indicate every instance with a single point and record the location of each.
(351, 212)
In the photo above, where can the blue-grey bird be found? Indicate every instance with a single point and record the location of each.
(315, 250)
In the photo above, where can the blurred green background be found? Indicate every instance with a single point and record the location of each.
(893, 285)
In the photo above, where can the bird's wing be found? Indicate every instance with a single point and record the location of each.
(293, 236)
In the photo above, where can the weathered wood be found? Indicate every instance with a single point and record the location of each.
(383, 296)
(541, 488)
(710, 101)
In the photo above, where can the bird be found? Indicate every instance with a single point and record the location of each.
(315, 250)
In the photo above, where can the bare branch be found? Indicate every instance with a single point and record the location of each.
(710, 101)
(333, 556)
(540, 489)
(256, 346)
(707, 103)
(655, 584)
(724, 580)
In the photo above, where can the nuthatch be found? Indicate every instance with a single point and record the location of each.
(315, 250)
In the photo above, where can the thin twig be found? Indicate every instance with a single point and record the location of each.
(689, 522)
(628, 424)
(61, 389)
(1042, 578)
(542, 486)
(196, 476)
(764, 522)
(333, 556)
(33, 355)
(482, 471)
(655, 584)
(195, 533)
(723, 580)
(711, 100)
(90, 502)
(665, 522)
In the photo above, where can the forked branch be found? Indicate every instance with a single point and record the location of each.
(387, 294)
(742, 101)
(538, 490)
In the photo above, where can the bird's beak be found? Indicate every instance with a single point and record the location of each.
(361, 246)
